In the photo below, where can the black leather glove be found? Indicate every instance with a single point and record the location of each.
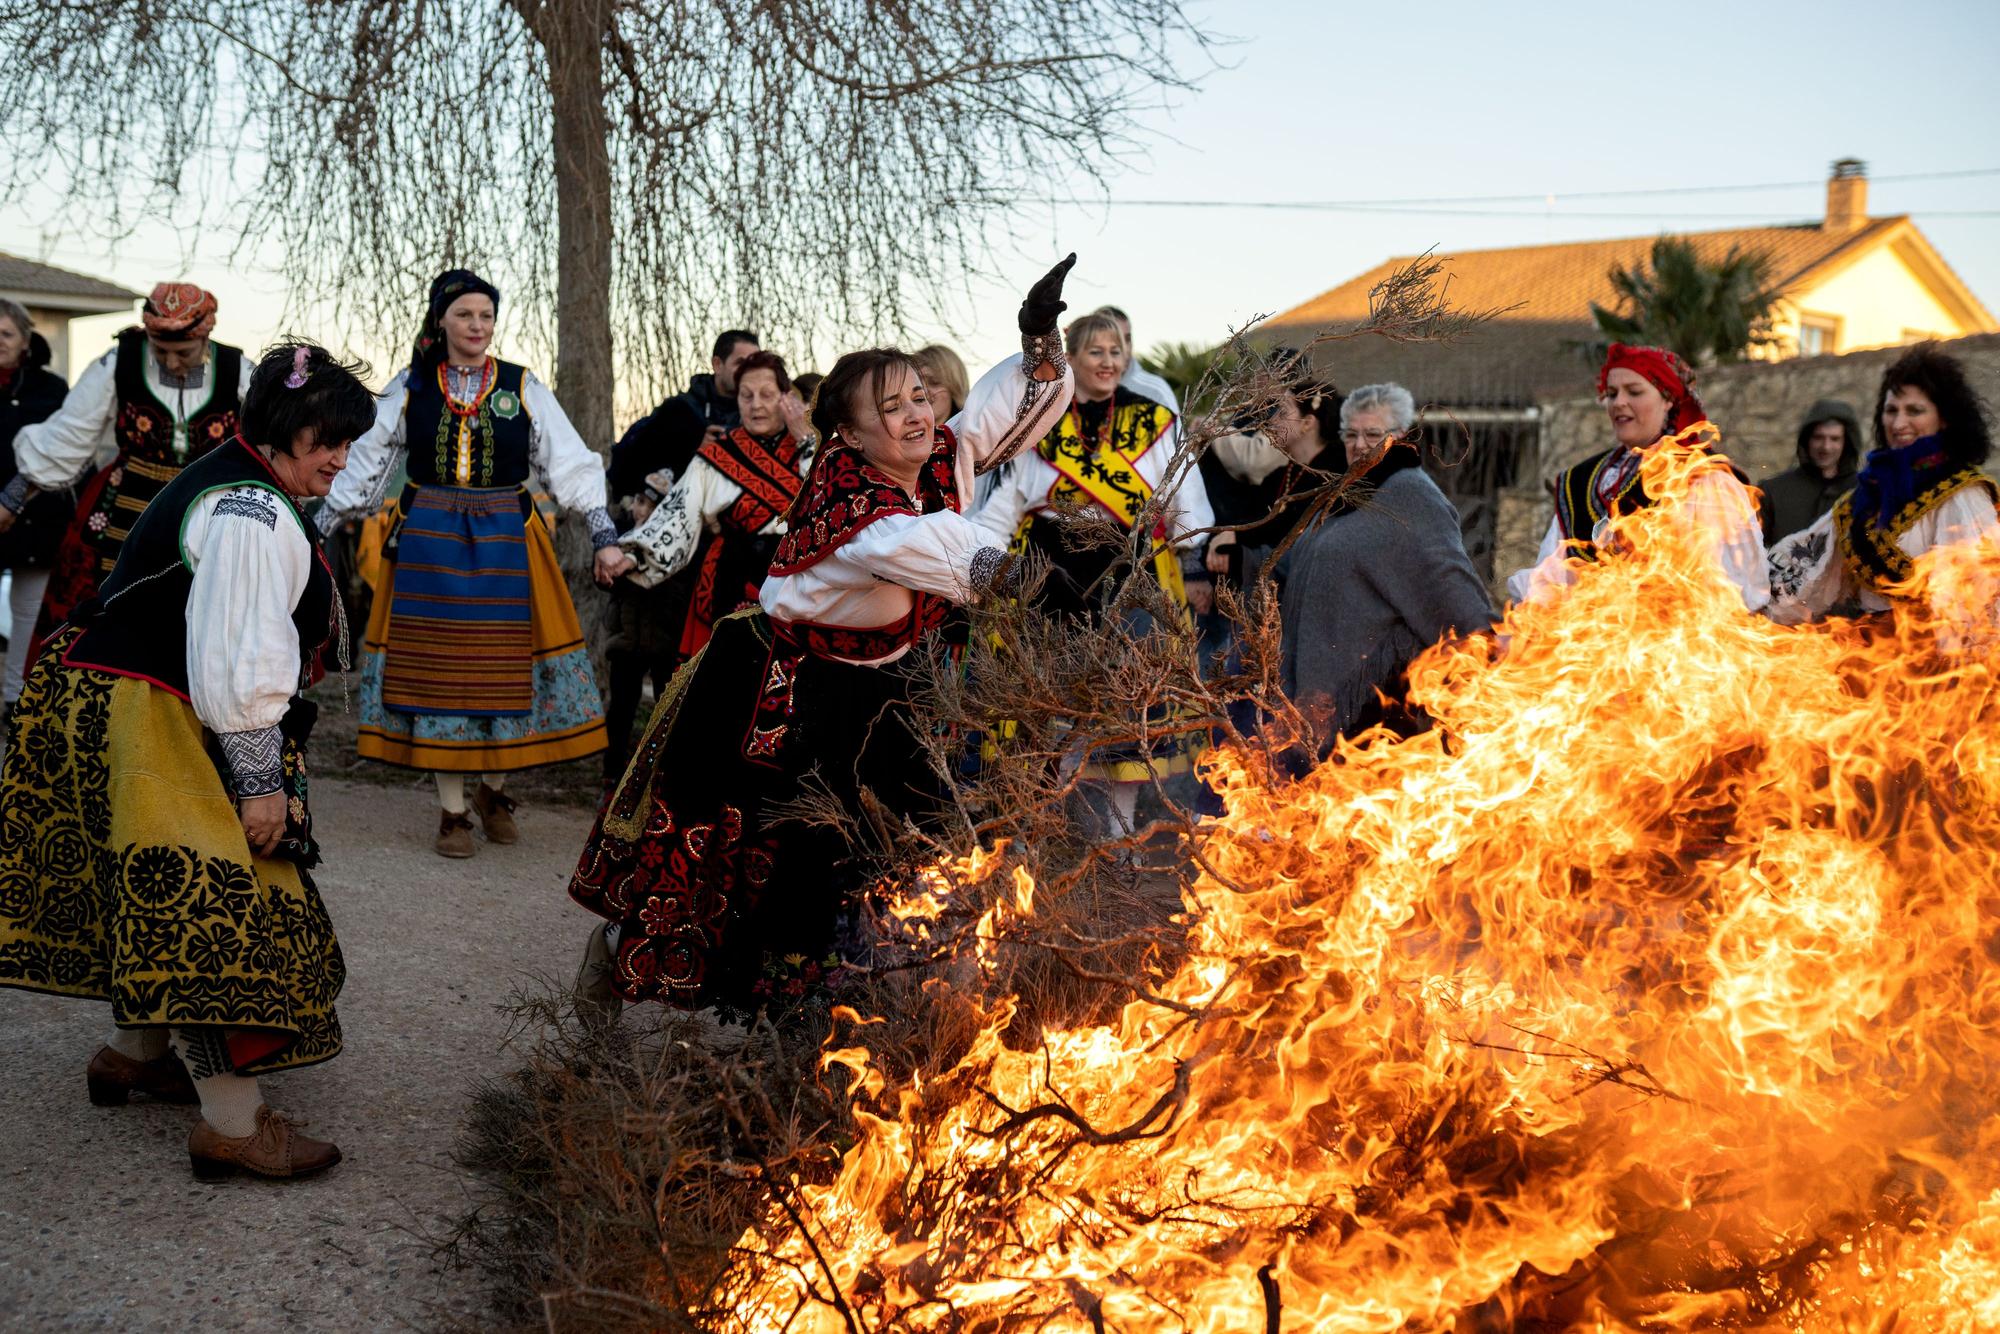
(1044, 300)
(1061, 591)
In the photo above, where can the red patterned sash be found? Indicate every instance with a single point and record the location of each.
(767, 474)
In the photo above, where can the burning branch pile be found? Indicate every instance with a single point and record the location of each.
(1656, 988)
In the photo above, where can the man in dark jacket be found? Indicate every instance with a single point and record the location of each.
(1829, 455)
(665, 439)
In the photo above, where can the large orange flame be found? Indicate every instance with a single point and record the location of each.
(1656, 989)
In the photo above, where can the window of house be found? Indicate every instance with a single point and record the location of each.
(1819, 335)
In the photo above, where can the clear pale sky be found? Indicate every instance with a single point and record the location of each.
(1346, 102)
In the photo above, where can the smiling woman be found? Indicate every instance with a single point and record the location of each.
(473, 661)
(713, 895)
(724, 517)
(1113, 452)
(159, 842)
(1921, 488)
(1650, 402)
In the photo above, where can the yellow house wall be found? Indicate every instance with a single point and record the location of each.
(1877, 300)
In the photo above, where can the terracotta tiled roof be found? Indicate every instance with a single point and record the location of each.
(1521, 355)
(30, 278)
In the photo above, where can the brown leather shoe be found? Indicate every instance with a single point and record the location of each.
(274, 1149)
(597, 1001)
(496, 815)
(113, 1077)
(454, 834)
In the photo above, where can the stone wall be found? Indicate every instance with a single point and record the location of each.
(1757, 404)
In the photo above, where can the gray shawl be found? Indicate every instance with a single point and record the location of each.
(1366, 591)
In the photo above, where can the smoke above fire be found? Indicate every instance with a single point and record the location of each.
(1656, 988)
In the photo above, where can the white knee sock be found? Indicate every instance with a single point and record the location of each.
(24, 604)
(494, 781)
(451, 792)
(229, 1101)
(1125, 805)
(139, 1044)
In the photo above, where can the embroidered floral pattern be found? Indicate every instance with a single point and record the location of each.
(179, 931)
(1874, 556)
(843, 495)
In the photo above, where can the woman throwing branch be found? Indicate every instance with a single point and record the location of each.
(711, 897)
(1114, 450)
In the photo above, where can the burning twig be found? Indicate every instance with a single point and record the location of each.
(1148, 1125)
(781, 1193)
(1267, 1282)
(1631, 1075)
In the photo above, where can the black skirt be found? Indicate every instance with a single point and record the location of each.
(724, 899)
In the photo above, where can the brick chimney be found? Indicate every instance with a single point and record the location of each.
(1847, 196)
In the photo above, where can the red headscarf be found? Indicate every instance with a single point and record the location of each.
(1666, 372)
(179, 313)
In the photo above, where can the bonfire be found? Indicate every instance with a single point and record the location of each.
(1655, 988)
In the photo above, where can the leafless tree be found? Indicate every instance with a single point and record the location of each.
(638, 169)
(635, 174)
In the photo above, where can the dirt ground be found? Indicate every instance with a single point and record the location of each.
(103, 1227)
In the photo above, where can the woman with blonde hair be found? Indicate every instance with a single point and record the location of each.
(1114, 450)
(945, 381)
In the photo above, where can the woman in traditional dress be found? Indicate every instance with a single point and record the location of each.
(713, 897)
(156, 843)
(164, 396)
(1920, 488)
(1113, 449)
(29, 392)
(1648, 395)
(473, 661)
(724, 517)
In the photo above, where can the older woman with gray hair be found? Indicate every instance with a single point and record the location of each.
(1379, 578)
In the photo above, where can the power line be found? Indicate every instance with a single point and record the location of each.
(1489, 213)
(1545, 198)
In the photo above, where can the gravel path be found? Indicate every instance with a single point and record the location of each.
(101, 1224)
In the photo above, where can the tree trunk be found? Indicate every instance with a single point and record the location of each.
(572, 36)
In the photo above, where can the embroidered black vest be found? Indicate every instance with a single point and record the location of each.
(1874, 557)
(1579, 509)
(145, 426)
(492, 450)
(137, 623)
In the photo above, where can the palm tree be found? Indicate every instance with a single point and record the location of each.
(1187, 366)
(1708, 313)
